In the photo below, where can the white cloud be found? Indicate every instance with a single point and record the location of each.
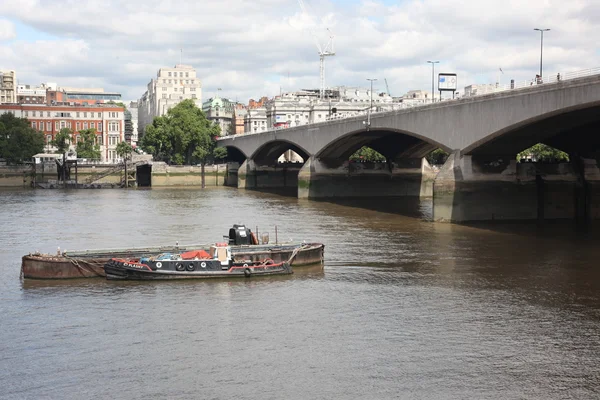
(7, 30)
(249, 48)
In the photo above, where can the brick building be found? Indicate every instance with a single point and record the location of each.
(106, 119)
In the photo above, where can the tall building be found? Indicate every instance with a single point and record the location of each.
(133, 109)
(106, 119)
(8, 86)
(170, 86)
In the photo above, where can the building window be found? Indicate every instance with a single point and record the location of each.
(85, 125)
(164, 96)
(175, 89)
(164, 88)
(187, 74)
(56, 127)
(34, 125)
(255, 122)
(99, 115)
(48, 138)
(181, 74)
(48, 114)
(85, 114)
(192, 89)
(170, 81)
(77, 126)
(193, 96)
(93, 125)
(113, 140)
(26, 113)
(33, 114)
(99, 139)
(192, 81)
(77, 138)
(169, 75)
(48, 126)
(77, 114)
(99, 126)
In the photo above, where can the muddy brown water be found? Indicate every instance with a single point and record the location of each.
(402, 308)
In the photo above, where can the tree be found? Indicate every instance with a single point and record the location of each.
(88, 147)
(437, 157)
(118, 104)
(183, 136)
(367, 154)
(124, 150)
(62, 141)
(542, 152)
(18, 140)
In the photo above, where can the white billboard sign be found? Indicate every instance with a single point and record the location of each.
(447, 82)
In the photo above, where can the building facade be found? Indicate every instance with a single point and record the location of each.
(29, 94)
(171, 86)
(82, 96)
(304, 107)
(133, 109)
(8, 87)
(107, 120)
(220, 111)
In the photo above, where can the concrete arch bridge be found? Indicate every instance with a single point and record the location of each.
(481, 180)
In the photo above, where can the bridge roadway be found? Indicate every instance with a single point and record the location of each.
(481, 179)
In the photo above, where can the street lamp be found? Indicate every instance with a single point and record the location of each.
(432, 78)
(370, 103)
(541, 46)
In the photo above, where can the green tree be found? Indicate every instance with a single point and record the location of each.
(18, 140)
(367, 154)
(62, 141)
(87, 146)
(437, 157)
(118, 104)
(542, 152)
(124, 150)
(183, 136)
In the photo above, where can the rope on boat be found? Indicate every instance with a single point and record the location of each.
(295, 253)
(82, 269)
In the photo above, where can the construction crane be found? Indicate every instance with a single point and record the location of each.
(387, 87)
(323, 52)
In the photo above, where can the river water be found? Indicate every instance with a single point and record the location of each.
(401, 308)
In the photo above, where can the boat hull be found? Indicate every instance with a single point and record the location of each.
(118, 271)
(91, 264)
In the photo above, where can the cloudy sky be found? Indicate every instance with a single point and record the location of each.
(257, 48)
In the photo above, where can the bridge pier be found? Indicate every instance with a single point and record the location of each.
(278, 176)
(412, 177)
(467, 189)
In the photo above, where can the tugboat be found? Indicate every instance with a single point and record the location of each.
(217, 263)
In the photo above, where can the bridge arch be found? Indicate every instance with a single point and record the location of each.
(235, 154)
(572, 129)
(391, 143)
(268, 153)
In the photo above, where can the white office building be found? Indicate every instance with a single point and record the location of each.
(171, 86)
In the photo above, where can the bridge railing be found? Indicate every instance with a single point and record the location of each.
(478, 91)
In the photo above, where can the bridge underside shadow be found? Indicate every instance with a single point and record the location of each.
(485, 182)
(405, 173)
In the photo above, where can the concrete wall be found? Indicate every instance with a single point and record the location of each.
(15, 176)
(187, 175)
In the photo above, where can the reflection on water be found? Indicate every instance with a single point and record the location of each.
(402, 307)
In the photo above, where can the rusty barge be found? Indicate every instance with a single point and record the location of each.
(90, 263)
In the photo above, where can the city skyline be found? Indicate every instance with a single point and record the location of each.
(264, 47)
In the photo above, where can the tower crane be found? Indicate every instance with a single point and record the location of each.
(387, 87)
(325, 51)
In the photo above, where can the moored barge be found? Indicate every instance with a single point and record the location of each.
(90, 263)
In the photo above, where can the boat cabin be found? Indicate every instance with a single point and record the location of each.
(221, 252)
